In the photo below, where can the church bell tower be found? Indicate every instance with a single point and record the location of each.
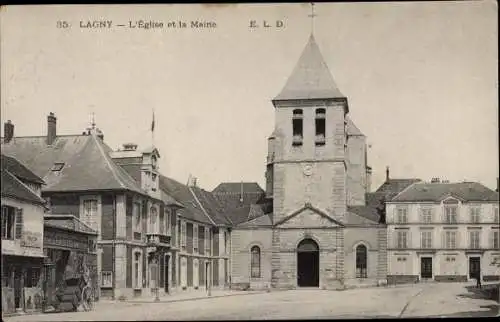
(307, 150)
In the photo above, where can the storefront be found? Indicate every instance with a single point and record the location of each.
(70, 248)
(22, 279)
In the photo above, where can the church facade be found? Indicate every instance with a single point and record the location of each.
(314, 227)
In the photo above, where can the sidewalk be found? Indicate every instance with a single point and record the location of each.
(180, 296)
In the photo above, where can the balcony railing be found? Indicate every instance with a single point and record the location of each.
(155, 239)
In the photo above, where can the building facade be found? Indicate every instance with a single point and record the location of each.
(23, 212)
(443, 232)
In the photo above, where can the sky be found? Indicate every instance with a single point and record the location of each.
(421, 81)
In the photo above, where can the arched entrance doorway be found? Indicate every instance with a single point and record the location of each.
(308, 264)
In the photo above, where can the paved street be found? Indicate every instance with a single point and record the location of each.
(423, 300)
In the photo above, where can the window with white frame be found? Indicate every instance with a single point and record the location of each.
(226, 242)
(179, 232)
(136, 209)
(427, 215)
(137, 269)
(89, 215)
(495, 239)
(183, 235)
(450, 214)
(426, 239)
(475, 213)
(106, 279)
(8, 222)
(168, 214)
(474, 237)
(162, 223)
(153, 220)
(402, 239)
(255, 262)
(450, 239)
(208, 240)
(401, 215)
(195, 238)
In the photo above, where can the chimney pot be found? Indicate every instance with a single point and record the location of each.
(8, 130)
(387, 173)
(51, 128)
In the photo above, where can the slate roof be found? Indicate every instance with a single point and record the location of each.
(236, 187)
(87, 164)
(352, 129)
(261, 221)
(311, 78)
(14, 188)
(181, 193)
(211, 205)
(19, 170)
(361, 215)
(467, 191)
(235, 205)
(68, 222)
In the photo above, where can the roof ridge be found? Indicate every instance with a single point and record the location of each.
(201, 206)
(40, 199)
(399, 193)
(108, 162)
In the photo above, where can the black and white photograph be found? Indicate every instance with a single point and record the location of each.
(249, 161)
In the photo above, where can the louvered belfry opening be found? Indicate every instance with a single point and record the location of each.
(308, 264)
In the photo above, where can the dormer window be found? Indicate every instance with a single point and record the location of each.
(320, 126)
(58, 166)
(297, 124)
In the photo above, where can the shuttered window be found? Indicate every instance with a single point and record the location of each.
(8, 222)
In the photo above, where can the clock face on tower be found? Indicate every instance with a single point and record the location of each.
(308, 169)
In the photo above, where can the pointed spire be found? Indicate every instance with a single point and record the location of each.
(311, 78)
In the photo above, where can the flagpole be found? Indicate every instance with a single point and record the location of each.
(153, 129)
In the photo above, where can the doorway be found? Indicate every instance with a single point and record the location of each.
(426, 267)
(474, 267)
(308, 264)
(167, 262)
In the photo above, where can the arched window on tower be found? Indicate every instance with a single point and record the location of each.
(297, 121)
(361, 261)
(320, 126)
(255, 262)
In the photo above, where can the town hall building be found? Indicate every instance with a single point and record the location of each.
(313, 227)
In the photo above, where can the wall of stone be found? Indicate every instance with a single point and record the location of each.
(324, 188)
(284, 258)
(369, 236)
(242, 240)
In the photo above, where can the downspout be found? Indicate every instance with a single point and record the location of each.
(113, 252)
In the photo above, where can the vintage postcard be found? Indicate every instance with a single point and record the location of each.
(249, 161)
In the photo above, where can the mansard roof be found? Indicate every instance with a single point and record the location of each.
(311, 78)
(435, 192)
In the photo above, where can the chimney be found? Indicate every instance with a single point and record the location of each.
(51, 128)
(8, 131)
(387, 173)
(129, 147)
(191, 181)
(241, 193)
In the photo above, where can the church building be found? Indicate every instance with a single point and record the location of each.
(313, 227)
